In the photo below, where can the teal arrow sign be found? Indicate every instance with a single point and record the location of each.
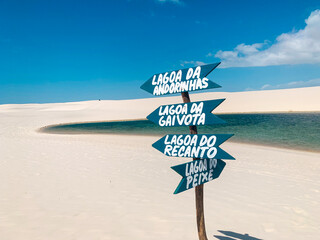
(186, 114)
(183, 80)
(198, 172)
(193, 145)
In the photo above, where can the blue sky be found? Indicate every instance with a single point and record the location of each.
(59, 51)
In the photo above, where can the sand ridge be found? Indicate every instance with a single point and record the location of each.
(119, 187)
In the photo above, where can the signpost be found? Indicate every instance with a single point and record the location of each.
(193, 146)
(183, 80)
(203, 148)
(186, 114)
(198, 172)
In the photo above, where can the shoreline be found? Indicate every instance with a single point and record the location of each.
(42, 131)
(145, 119)
(136, 130)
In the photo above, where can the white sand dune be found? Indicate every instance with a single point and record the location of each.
(119, 187)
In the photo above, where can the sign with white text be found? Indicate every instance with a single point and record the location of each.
(183, 80)
(198, 172)
(193, 145)
(186, 114)
(203, 148)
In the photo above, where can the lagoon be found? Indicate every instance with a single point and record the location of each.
(299, 131)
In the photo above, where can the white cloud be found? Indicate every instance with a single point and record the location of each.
(296, 47)
(297, 84)
(249, 89)
(194, 63)
(173, 1)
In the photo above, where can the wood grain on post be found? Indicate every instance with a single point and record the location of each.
(199, 189)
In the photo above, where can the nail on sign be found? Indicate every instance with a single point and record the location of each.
(183, 80)
(193, 145)
(186, 114)
(198, 172)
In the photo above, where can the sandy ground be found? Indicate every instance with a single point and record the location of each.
(119, 187)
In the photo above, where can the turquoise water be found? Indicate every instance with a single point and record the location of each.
(289, 130)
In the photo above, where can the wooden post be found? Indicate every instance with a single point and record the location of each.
(199, 189)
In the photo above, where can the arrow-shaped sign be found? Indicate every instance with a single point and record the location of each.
(183, 80)
(193, 145)
(186, 114)
(198, 172)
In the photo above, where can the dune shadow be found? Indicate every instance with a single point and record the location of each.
(229, 235)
